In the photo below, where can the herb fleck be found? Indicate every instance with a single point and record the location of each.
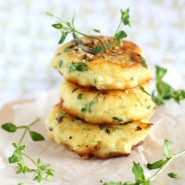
(79, 97)
(94, 80)
(143, 62)
(80, 66)
(117, 119)
(60, 118)
(60, 63)
(87, 108)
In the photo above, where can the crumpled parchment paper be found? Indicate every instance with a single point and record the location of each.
(168, 120)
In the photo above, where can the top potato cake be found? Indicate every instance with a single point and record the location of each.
(122, 68)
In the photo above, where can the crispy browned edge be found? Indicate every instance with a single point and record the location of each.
(129, 47)
(94, 90)
(91, 151)
(106, 121)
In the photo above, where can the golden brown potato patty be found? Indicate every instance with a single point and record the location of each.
(101, 141)
(110, 107)
(122, 68)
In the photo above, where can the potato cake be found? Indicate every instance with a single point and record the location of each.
(110, 107)
(101, 141)
(121, 68)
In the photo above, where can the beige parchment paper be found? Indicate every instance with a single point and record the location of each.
(168, 120)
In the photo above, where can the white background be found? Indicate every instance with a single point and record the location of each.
(28, 42)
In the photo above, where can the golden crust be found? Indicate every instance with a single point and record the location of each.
(86, 139)
(110, 107)
(122, 68)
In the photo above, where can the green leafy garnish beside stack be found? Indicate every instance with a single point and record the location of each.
(164, 90)
(41, 171)
(67, 27)
(137, 170)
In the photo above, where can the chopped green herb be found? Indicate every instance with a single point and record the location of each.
(60, 63)
(143, 62)
(148, 107)
(80, 66)
(87, 108)
(117, 119)
(79, 97)
(60, 118)
(94, 80)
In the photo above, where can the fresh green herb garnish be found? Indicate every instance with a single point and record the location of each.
(138, 172)
(41, 171)
(69, 28)
(173, 175)
(10, 127)
(120, 34)
(87, 108)
(117, 119)
(97, 50)
(164, 90)
(79, 97)
(80, 66)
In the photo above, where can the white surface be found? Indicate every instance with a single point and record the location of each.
(169, 123)
(28, 42)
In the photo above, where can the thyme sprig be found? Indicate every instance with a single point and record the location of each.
(41, 171)
(163, 90)
(160, 165)
(67, 27)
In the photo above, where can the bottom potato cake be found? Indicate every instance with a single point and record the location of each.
(101, 141)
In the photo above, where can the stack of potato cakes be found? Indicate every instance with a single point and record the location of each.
(104, 106)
